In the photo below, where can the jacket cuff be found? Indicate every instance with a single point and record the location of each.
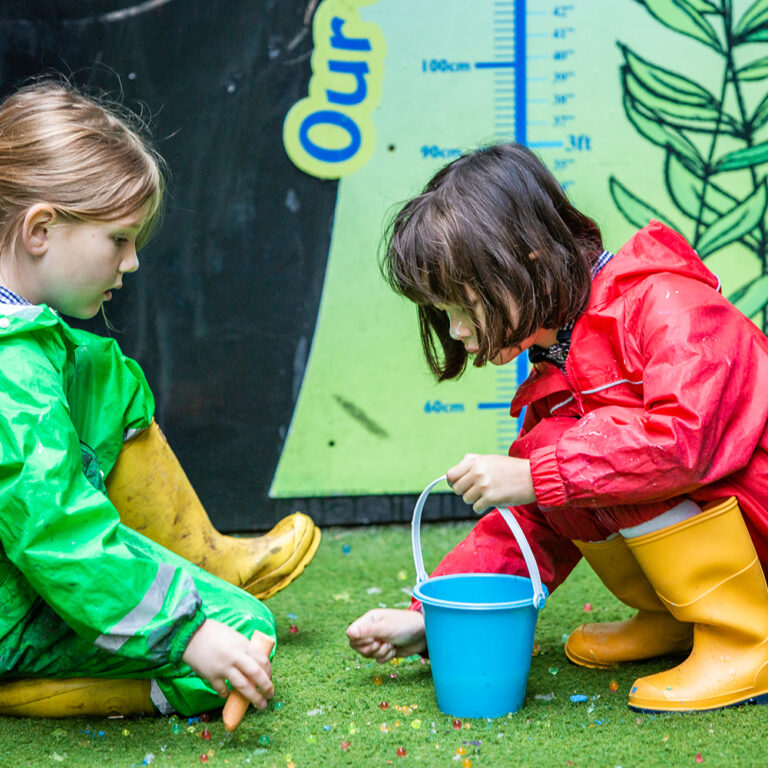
(547, 483)
(184, 635)
(415, 605)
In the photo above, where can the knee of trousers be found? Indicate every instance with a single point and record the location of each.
(233, 606)
(598, 523)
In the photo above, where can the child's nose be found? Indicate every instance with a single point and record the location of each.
(458, 329)
(131, 262)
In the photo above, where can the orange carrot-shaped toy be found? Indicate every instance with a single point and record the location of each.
(237, 705)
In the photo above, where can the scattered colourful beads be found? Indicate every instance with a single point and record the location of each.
(461, 752)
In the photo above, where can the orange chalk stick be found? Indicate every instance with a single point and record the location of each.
(237, 705)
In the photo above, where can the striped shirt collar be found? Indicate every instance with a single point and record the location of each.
(9, 297)
(601, 261)
(558, 353)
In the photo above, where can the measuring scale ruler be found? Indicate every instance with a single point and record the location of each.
(455, 75)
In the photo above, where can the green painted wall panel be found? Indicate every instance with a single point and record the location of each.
(631, 104)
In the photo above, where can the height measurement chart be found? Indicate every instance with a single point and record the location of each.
(400, 88)
(534, 100)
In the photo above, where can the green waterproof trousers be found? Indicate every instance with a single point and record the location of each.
(44, 646)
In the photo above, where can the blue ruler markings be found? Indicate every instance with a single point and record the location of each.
(511, 121)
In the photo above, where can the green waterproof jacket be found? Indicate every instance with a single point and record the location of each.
(66, 399)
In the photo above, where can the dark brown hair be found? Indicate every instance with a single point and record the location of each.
(497, 222)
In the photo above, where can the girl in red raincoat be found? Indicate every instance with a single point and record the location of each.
(644, 445)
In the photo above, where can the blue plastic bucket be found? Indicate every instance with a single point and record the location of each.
(479, 629)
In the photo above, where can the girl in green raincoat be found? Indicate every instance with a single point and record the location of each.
(97, 618)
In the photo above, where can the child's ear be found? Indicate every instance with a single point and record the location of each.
(34, 228)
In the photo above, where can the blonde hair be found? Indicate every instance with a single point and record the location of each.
(85, 158)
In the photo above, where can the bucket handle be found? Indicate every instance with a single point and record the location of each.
(530, 561)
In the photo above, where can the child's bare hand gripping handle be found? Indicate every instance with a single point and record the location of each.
(218, 653)
(492, 481)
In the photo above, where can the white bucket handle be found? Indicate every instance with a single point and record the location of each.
(530, 561)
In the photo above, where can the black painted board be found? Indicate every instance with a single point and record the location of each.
(222, 311)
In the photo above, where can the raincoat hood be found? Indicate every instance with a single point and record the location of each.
(18, 319)
(654, 250)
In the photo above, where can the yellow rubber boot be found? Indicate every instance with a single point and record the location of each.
(705, 570)
(154, 497)
(75, 697)
(653, 631)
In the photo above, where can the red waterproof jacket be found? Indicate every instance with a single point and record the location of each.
(664, 395)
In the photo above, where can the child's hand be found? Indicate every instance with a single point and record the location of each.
(492, 481)
(384, 633)
(217, 653)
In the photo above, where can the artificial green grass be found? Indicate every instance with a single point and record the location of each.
(326, 694)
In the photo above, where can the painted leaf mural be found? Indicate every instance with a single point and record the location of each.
(714, 135)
